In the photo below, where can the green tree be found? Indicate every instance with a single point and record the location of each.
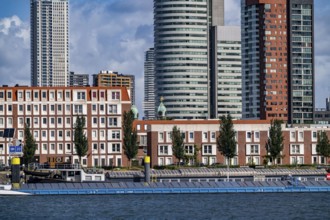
(177, 144)
(29, 146)
(274, 144)
(130, 144)
(323, 145)
(226, 141)
(80, 139)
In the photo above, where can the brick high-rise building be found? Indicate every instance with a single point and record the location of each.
(277, 60)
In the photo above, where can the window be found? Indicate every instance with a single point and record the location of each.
(256, 135)
(207, 149)
(116, 148)
(113, 122)
(59, 108)
(95, 146)
(68, 134)
(60, 134)
(20, 108)
(36, 108)
(191, 135)
(52, 147)
(52, 121)
(94, 120)
(36, 95)
(36, 121)
(52, 134)
(102, 120)
(213, 136)
(78, 109)
(102, 146)
(20, 95)
(254, 149)
(295, 149)
(68, 146)
(67, 95)
(28, 95)
(9, 95)
(67, 108)
(116, 135)
(163, 149)
(94, 94)
(81, 95)
(10, 108)
(59, 95)
(1, 95)
(59, 121)
(189, 149)
(94, 108)
(68, 121)
(44, 94)
(102, 94)
(161, 136)
(52, 95)
(115, 95)
(44, 134)
(101, 108)
(28, 108)
(60, 147)
(113, 109)
(44, 108)
(1, 108)
(44, 147)
(44, 121)
(35, 134)
(248, 135)
(204, 135)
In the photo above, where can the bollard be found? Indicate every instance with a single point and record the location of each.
(147, 169)
(15, 173)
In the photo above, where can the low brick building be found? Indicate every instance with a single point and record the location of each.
(251, 135)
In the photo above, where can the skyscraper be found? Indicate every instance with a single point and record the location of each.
(49, 43)
(182, 59)
(228, 74)
(149, 104)
(277, 59)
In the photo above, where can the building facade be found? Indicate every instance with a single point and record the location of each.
(49, 42)
(109, 78)
(251, 136)
(277, 58)
(228, 77)
(51, 113)
(78, 79)
(149, 104)
(182, 64)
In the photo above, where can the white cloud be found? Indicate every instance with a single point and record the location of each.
(111, 36)
(14, 51)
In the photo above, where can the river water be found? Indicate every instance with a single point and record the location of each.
(168, 206)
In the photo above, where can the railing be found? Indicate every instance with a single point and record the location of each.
(37, 166)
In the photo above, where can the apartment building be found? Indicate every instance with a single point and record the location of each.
(278, 60)
(251, 135)
(49, 42)
(51, 114)
(110, 78)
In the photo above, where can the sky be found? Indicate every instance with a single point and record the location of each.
(114, 35)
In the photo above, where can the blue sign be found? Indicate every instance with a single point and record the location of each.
(15, 149)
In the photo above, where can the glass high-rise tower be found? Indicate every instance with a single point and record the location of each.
(182, 55)
(49, 42)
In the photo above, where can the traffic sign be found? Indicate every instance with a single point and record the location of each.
(15, 149)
